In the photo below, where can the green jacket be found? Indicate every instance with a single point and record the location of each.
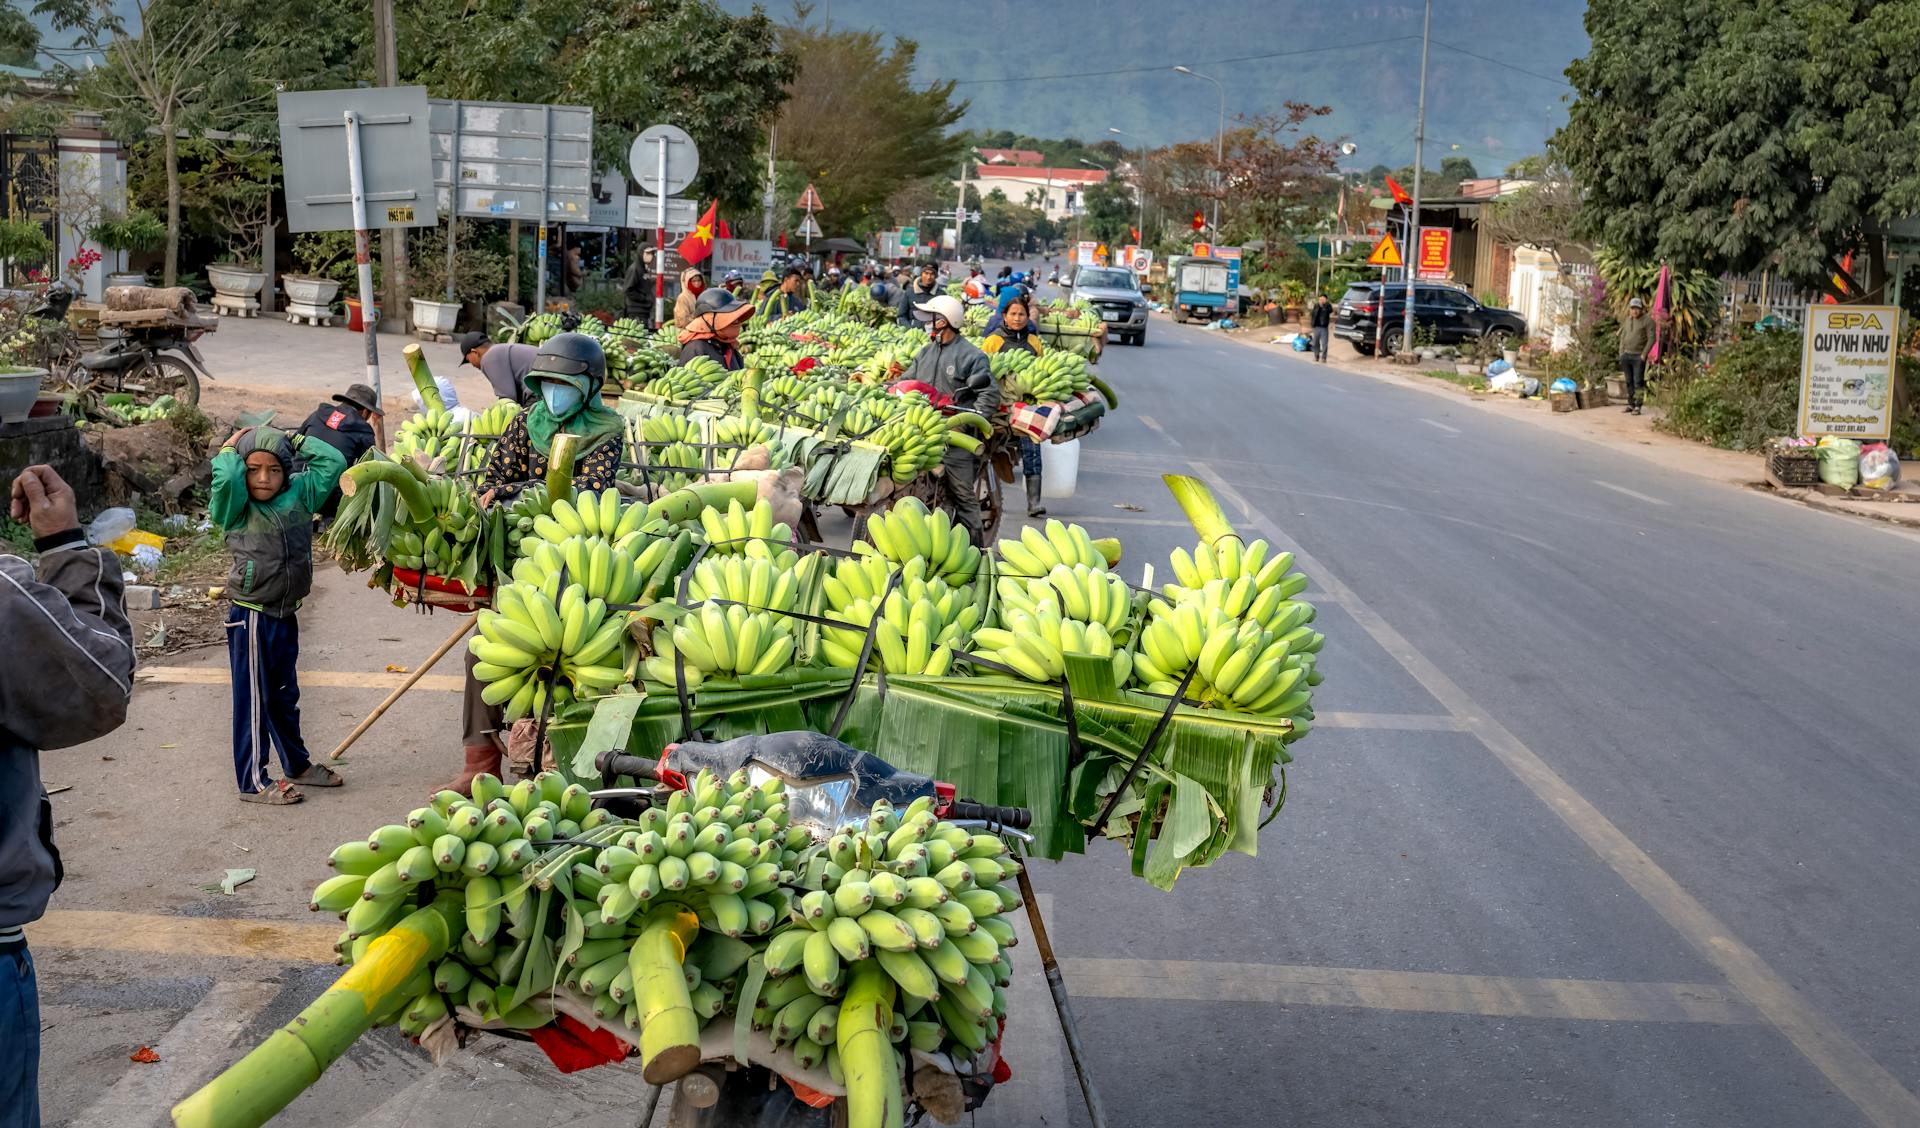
(1636, 335)
(272, 541)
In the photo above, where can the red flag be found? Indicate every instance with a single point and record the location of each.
(1199, 221)
(725, 231)
(1399, 194)
(782, 241)
(698, 245)
(1136, 233)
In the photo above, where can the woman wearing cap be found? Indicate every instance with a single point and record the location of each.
(692, 283)
(1015, 331)
(715, 332)
(567, 377)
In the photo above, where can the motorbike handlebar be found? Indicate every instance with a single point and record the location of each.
(1019, 818)
(619, 764)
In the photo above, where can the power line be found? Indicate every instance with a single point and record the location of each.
(1169, 66)
(1557, 81)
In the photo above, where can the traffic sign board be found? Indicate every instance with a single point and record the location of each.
(910, 236)
(644, 213)
(1385, 253)
(682, 159)
(810, 200)
(808, 228)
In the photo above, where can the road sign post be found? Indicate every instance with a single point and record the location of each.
(664, 160)
(1386, 256)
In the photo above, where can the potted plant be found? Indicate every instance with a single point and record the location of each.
(478, 273)
(322, 257)
(25, 248)
(21, 347)
(1294, 293)
(129, 234)
(241, 209)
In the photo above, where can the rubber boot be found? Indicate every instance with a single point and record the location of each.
(480, 758)
(1034, 508)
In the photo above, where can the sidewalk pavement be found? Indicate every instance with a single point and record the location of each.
(1608, 426)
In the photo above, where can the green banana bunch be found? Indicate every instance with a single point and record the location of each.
(755, 581)
(426, 437)
(483, 429)
(915, 434)
(917, 626)
(1037, 551)
(1088, 594)
(604, 516)
(908, 529)
(738, 433)
(690, 381)
(615, 574)
(752, 532)
(536, 329)
(722, 641)
(536, 632)
(1034, 644)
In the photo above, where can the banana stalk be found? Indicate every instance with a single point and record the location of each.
(670, 1027)
(1109, 550)
(866, 1055)
(403, 481)
(254, 1089)
(423, 378)
(1201, 507)
(685, 503)
(560, 459)
(750, 395)
(1106, 390)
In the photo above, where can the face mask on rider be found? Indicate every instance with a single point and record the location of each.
(561, 398)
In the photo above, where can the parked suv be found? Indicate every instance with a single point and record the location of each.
(1450, 313)
(1114, 293)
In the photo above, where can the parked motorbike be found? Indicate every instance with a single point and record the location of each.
(830, 786)
(140, 362)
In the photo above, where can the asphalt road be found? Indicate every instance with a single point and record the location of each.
(1604, 822)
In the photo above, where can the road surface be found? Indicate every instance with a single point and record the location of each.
(1606, 820)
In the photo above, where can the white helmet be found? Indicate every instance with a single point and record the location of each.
(945, 307)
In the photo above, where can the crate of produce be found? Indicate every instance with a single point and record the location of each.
(1793, 465)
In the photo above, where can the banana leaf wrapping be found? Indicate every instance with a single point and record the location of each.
(1000, 741)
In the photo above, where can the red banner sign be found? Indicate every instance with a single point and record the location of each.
(1436, 252)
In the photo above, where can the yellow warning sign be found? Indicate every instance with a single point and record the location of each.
(1385, 253)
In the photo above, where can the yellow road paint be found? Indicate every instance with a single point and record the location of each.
(185, 936)
(1491, 996)
(309, 679)
(1843, 1061)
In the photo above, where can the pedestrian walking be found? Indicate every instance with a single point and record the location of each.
(1636, 337)
(1320, 320)
(345, 424)
(68, 673)
(266, 509)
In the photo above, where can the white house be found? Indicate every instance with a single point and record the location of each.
(1055, 191)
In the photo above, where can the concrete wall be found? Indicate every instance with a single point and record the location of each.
(92, 168)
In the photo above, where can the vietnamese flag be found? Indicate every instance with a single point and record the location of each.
(1136, 233)
(698, 245)
(1399, 194)
(725, 231)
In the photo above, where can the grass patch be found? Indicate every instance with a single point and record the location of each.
(15, 537)
(1474, 382)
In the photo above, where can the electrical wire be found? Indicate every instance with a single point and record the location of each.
(1503, 64)
(1169, 66)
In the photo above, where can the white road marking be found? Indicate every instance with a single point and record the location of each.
(1442, 426)
(1635, 494)
(1154, 426)
(191, 1052)
(1880, 1095)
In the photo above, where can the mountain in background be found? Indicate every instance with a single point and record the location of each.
(1488, 107)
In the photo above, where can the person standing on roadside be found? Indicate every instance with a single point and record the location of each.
(504, 365)
(1320, 319)
(1636, 337)
(637, 289)
(692, 281)
(68, 676)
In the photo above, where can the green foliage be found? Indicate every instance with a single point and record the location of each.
(329, 254)
(1692, 303)
(24, 242)
(1109, 212)
(1727, 136)
(1750, 392)
(479, 271)
(133, 232)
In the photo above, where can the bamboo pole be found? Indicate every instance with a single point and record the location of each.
(1096, 1112)
(418, 672)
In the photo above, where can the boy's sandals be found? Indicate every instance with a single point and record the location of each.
(279, 793)
(318, 775)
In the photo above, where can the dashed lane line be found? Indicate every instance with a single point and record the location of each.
(1635, 494)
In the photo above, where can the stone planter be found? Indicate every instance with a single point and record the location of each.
(236, 289)
(1512, 357)
(1466, 368)
(309, 300)
(434, 320)
(19, 390)
(126, 278)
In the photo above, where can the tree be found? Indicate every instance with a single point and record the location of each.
(1108, 212)
(1456, 169)
(1544, 214)
(1275, 181)
(858, 125)
(1725, 136)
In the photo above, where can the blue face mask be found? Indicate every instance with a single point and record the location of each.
(561, 398)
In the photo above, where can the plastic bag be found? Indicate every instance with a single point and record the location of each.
(1563, 384)
(1300, 345)
(1879, 467)
(1498, 367)
(1529, 387)
(1839, 462)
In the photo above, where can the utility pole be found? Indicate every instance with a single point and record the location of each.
(960, 211)
(393, 244)
(767, 200)
(1412, 251)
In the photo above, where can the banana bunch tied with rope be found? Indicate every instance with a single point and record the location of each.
(536, 635)
(721, 641)
(897, 942)
(757, 582)
(484, 429)
(749, 531)
(1054, 377)
(908, 529)
(667, 445)
(1035, 644)
(736, 434)
(445, 539)
(916, 435)
(604, 515)
(617, 575)
(916, 627)
(430, 438)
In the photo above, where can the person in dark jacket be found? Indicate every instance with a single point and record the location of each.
(956, 368)
(1636, 337)
(504, 365)
(637, 289)
(345, 426)
(67, 679)
(266, 509)
(1015, 332)
(1320, 320)
(566, 380)
(718, 318)
(790, 297)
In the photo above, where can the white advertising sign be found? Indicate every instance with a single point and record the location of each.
(1847, 371)
(751, 257)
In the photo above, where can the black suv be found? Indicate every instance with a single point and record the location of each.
(1450, 313)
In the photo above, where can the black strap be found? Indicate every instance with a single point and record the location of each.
(1146, 750)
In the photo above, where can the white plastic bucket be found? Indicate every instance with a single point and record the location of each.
(1059, 469)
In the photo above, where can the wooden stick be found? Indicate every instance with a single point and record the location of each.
(418, 672)
(1096, 1111)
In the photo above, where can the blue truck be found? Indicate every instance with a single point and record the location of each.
(1199, 286)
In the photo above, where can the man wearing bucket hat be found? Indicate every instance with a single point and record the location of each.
(565, 381)
(345, 425)
(957, 369)
(1636, 337)
(265, 505)
(715, 330)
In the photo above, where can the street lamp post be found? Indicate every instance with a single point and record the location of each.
(1139, 185)
(1082, 205)
(1219, 136)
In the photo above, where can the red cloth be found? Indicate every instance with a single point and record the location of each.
(698, 245)
(934, 395)
(1399, 194)
(573, 1046)
(805, 364)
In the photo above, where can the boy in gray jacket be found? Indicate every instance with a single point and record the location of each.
(65, 675)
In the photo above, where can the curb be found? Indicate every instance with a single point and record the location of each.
(1817, 501)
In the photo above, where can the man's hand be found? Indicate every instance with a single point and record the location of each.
(486, 499)
(43, 500)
